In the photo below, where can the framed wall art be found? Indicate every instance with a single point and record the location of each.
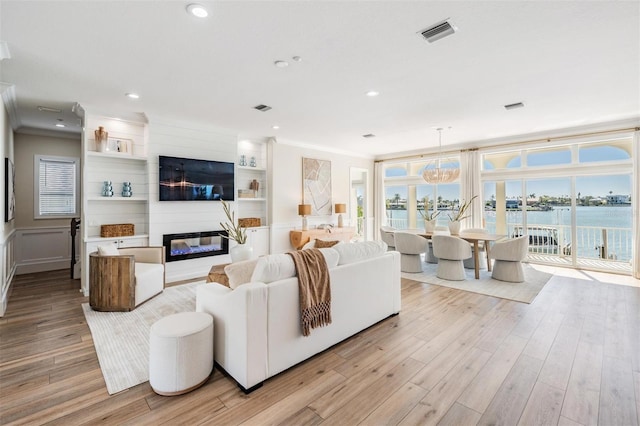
(9, 190)
(316, 181)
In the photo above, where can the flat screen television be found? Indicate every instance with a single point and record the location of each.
(186, 179)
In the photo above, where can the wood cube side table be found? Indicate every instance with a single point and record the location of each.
(217, 275)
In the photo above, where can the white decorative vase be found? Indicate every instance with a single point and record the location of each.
(241, 252)
(429, 225)
(454, 227)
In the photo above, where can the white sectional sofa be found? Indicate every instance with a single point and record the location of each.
(257, 332)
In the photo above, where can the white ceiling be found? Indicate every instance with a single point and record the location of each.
(570, 63)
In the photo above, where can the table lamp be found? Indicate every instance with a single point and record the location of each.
(340, 208)
(304, 210)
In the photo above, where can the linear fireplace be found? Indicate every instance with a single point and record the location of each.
(194, 244)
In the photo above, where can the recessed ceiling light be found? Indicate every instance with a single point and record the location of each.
(281, 64)
(132, 95)
(197, 10)
(372, 93)
(275, 127)
(60, 125)
(369, 135)
(297, 58)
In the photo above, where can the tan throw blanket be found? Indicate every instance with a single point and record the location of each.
(314, 288)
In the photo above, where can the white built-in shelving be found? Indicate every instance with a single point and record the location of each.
(117, 167)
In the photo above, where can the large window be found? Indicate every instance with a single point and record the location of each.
(56, 182)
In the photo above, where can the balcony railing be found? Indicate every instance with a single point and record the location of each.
(610, 247)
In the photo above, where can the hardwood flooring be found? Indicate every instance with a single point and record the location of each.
(451, 357)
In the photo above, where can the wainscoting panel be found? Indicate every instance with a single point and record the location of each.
(43, 249)
(8, 269)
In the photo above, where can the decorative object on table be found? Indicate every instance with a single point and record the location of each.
(340, 208)
(304, 210)
(101, 137)
(429, 218)
(237, 233)
(253, 163)
(458, 215)
(107, 188)
(435, 172)
(117, 230)
(243, 161)
(126, 189)
(254, 185)
(316, 180)
(9, 190)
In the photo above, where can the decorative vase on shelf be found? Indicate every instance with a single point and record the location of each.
(241, 252)
(429, 225)
(126, 189)
(107, 189)
(101, 136)
(454, 227)
(243, 160)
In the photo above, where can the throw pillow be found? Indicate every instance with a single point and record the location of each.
(273, 267)
(325, 243)
(240, 272)
(108, 250)
(311, 244)
(331, 256)
(355, 252)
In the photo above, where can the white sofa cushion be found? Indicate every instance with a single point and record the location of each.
(240, 272)
(149, 280)
(274, 267)
(355, 252)
(108, 250)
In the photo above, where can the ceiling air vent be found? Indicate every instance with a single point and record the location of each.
(438, 31)
(514, 106)
(369, 135)
(263, 108)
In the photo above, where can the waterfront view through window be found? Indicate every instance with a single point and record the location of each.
(573, 200)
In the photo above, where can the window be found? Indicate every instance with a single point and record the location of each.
(56, 182)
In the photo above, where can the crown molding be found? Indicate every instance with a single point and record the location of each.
(11, 104)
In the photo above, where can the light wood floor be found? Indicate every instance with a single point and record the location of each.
(451, 358)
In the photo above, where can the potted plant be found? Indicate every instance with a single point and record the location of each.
(458, 215)
(237, 233)
(429, 218)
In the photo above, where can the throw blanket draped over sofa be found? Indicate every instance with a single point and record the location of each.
(314, 288)
(257, 324)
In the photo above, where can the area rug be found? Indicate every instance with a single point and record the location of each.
(520, 292)
(121, 339)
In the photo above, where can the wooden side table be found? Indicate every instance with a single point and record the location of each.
(299, 238)
(217, 275)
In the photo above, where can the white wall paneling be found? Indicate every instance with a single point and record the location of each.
(8, 269)
(43, 249)
(172, 217)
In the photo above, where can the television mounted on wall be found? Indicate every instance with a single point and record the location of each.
(187, 179)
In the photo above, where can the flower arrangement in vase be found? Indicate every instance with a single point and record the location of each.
(456, 216)
(429, 218)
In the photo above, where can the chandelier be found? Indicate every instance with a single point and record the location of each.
(434, 172)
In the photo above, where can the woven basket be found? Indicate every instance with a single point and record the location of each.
(117, 230)
(249, 222)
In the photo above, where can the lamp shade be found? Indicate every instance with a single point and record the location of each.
(341, 208)
(304, 209)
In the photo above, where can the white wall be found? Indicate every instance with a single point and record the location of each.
(170, 217)
(286, 176)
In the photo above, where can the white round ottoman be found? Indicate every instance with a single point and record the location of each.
(180, 352)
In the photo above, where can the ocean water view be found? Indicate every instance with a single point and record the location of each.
(590, 222)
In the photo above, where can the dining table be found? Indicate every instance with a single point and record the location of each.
(474, 238)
